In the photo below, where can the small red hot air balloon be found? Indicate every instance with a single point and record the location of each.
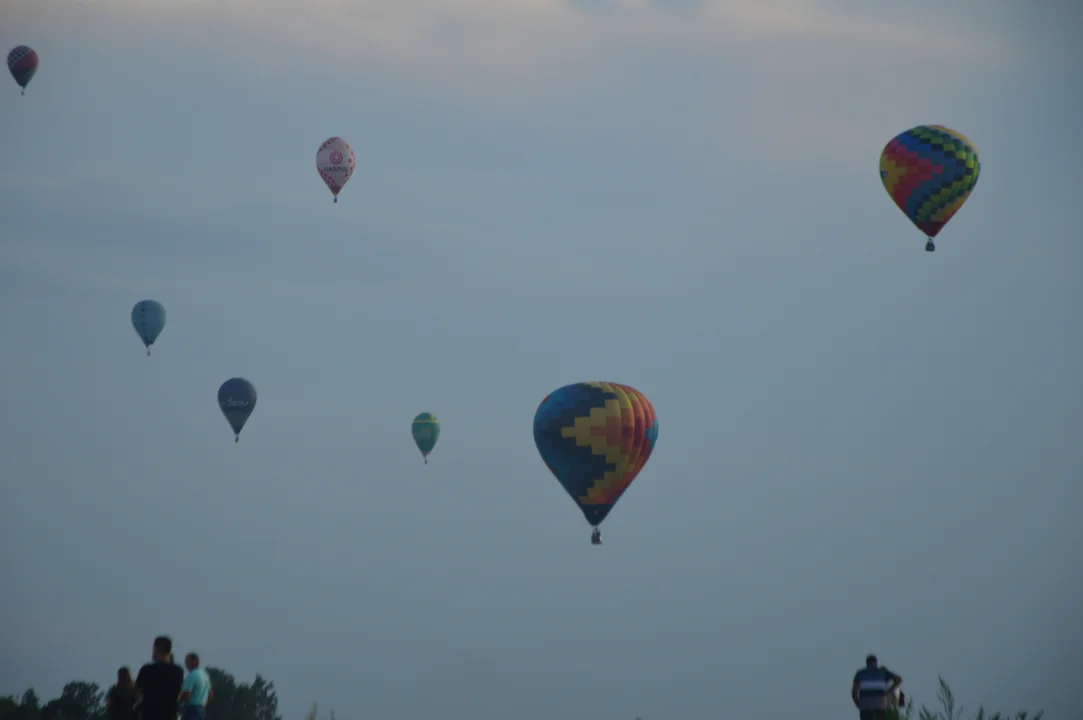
(22, 64)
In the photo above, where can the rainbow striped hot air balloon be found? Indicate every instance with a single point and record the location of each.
(929, 171)
(595, 437)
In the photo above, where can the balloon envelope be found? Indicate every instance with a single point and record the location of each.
(22, 64)
(929, 171)
(148, 319)
(595, 437)
(237, 400)
(426, 431)
(335, 163)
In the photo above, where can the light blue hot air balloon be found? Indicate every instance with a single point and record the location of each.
(148, 319)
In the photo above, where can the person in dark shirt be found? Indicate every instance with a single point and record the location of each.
(120, 700)
(159, 682)
(872, 688)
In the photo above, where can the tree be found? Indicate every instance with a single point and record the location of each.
(9, 707)
(233, 701)
(225, 691)
(28, 707)
(314, 713)
(88, 697)
(81, 700)
(262, 700)
(78, 701)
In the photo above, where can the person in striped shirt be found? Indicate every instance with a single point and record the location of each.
(874, 686)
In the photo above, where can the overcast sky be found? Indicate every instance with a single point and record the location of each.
(863, 446)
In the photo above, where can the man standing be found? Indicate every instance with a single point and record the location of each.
(159, 682)
(197, 691)
(872, 687)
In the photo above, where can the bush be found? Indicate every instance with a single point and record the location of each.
(949, 711)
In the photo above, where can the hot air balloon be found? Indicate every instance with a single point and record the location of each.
(929, 171)
(595, 437)
(22, 64)
(335, 163)
(237, 400)
(426, 431)
(148, 319)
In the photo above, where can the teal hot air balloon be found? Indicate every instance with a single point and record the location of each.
(237, 400)
(426, 431)
(148, 319)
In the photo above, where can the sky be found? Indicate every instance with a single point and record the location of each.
(863, 447)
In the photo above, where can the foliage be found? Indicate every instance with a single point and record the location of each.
(314, 713)
(81, 700)
(78, 701)
(257, 700)
(949, 710)
(243, 701)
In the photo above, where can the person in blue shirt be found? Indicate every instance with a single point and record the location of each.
(874, 689)
(196, 691)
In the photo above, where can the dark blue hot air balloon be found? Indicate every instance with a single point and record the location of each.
(237, 400)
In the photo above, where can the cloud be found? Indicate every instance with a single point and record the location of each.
(774, 73)
(530, 40)
(857, 28)
(772, 95)
(65, 262)
(207, 282)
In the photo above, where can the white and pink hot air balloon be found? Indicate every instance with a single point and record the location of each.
(335, 163)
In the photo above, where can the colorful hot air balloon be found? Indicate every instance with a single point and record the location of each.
(335, 163)
(929, 171)
(237, 400)
(426, 431)
(22, 64)
(148, 319)
(595, 437)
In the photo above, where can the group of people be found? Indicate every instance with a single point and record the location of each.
(875, 691)
(161, 691)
